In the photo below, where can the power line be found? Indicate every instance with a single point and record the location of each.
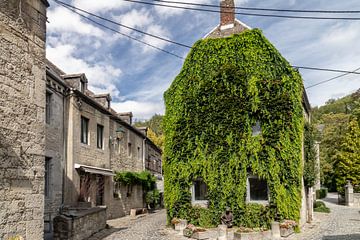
(72, 8)
(264, 9)
(121, 25)
(331, 79)
(327, 70)
(246, 14)
(118, 32)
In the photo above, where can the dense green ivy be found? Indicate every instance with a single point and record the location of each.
(144, 178)
(224, 87)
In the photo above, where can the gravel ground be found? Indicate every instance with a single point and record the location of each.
(343, 223)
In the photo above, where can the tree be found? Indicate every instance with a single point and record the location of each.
(335, 127)
(155, 129)
(348, 159)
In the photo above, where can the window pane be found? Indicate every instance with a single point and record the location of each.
(256, 129)
(48, 107)
(84, 130)
(100, 133)
(47, 176)
(200, 190)
(258, 189)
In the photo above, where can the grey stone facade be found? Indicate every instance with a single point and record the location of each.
(74, 161)
(22, 111)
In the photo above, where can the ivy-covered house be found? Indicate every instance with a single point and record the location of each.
(234, 127)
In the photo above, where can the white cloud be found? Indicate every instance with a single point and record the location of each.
(158, 31)
(102, 76)
(166, 12)
(63, 20)
(135, 19)
(101, 5)
(140, 109)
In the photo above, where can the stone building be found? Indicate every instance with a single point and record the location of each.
(228, 26)
(230, 125)
(22, 108)
(86, 143)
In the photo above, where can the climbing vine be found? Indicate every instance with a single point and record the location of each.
(225, 87)
(310, 155)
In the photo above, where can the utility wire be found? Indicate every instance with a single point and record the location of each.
(246, 14)
(331, 79)
(119, 24)
(72, 8)
(263, 9)
(118, 32)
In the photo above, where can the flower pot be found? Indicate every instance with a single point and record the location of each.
(265, 235)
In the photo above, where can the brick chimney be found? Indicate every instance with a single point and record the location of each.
(227, 15)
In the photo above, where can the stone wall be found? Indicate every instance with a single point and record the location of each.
(79, 225)
(124, 199)
(54, 149)
(22, 128)
(356, 200)
(127, 148)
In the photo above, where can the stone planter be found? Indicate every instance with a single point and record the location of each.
(201, 235)
(181, 226)
(284, 232)
(265, 235)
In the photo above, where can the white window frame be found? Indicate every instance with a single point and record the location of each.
(248, 198)
(194, 202)
(256, 129)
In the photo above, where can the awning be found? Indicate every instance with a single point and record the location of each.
(94, 170)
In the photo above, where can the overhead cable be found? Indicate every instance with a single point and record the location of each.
(263, 9)
(333, 78)
(118, 32)
(73, 8)
(246, 13)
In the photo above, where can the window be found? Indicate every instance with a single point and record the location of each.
(100, 136)
(84, 130)
(48, 107)
(47, 176)
(257, 189)
(256, 129)
(129, 149)
(82, 86)
(199, 191)
(138, 152)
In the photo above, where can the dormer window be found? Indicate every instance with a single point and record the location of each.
(82, 86)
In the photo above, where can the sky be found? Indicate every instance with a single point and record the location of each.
(137, 75)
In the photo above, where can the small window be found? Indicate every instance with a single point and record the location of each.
(82, 86)
(47, 176)
(48, 107)
(84, 130)
(129, 149)
(256, 129)
(138, 152)
(257, 189)
(100, 136)
(200, 190)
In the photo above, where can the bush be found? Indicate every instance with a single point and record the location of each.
(321, 193)
(152, 198)
(320, 206)
(144, 178)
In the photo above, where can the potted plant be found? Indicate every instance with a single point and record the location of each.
(195, 232)
(287, 227)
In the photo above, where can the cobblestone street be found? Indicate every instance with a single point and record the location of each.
(343, 223)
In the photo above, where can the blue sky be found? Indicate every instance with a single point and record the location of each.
(137, 75)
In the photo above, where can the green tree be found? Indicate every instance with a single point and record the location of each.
(155, 129)
(348, 159)
(334, 128)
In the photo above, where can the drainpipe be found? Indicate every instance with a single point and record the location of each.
(144, 153)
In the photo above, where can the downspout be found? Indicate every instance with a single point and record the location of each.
(144, 153)
(67, 94)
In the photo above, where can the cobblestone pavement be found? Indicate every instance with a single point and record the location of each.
(343, 223)
(144, 227)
